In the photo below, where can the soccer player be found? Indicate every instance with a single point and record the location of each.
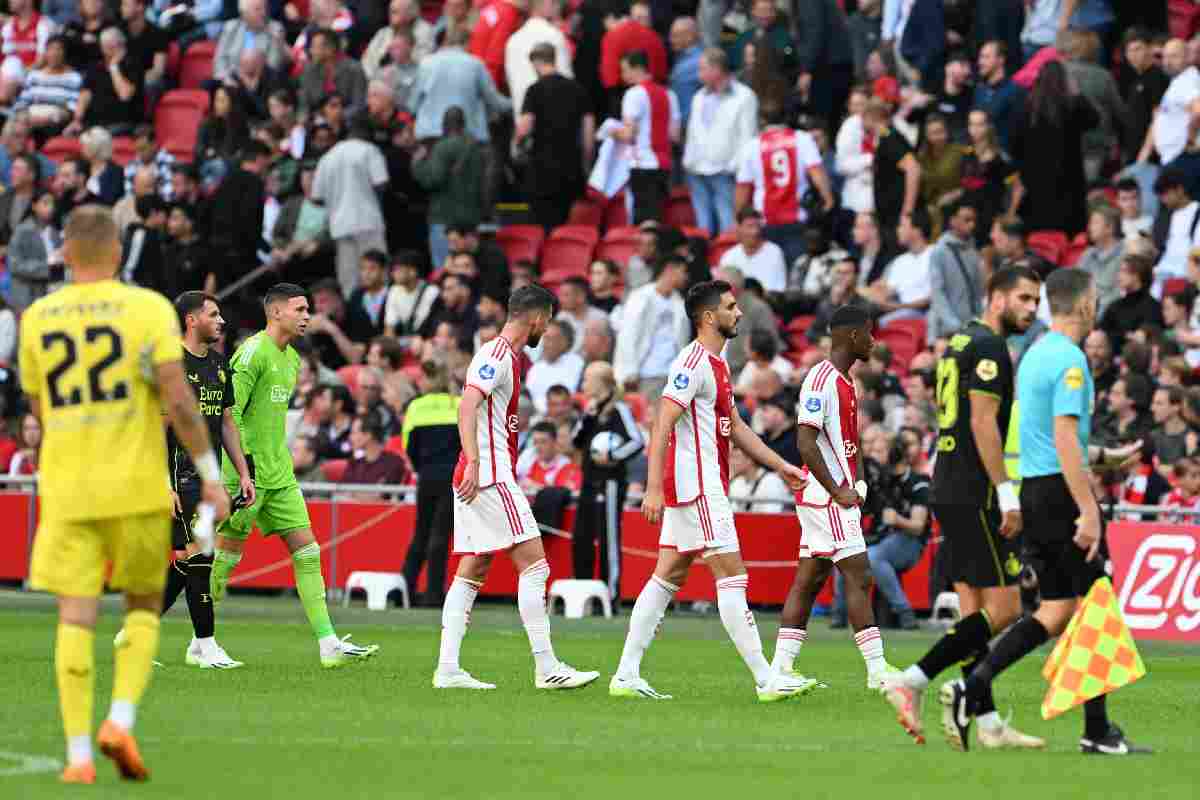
(264, 376)
(828, 504)
(1063, 533)
(688, 490)
(101, 362)
(491, 513)
(975, 502)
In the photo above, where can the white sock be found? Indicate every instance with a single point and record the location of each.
(456, 615)
(739, 624)
(644, 620)
(205, 645)
(916, 678)
(787, 647)
(79, 750)
(329, 644)
(531, 602)
(870, 644)
(990, 721)
(123, 713)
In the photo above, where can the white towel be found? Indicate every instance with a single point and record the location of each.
(611, 171)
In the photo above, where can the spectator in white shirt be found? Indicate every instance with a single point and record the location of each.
(1129, 202)
(574, 309)
(755, 256)
(904, 290)
(410, 300)
(1182, 234)
(854, 160)
(722, 119)
(540, 28)
(654, 328)
(1179, 109)
(639, 270)
(558, 364)
(755, 488)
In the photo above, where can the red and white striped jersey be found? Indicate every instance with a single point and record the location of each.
(27, 42)
(1176, 499)
(495, 372)
(776, 163)
(698, 446)
(827, 403)
(654, 111)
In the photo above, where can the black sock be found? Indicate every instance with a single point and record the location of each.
(1023, 638)
(199, 601)
(969, 636)
(177, 576)
(985, 703)
(1095, 718)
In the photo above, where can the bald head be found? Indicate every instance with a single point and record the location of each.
(684, 33)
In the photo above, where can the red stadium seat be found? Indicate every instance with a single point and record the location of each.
(1050, 245)
(395, 445)
(335, 469)
(615, 214)
(1075, 250)
(567, 252)
(521, 242)
(692, 232)
(915, 327)
(618, 245)
(717, 247)
(800, 323)
(903, 343)
(177, 118)
(678, 211)
(196, 64)
(123, 150)
(59, 148)
(349, 376)
(587, 210)
(174, 54)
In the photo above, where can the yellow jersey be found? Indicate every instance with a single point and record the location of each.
(88, 357)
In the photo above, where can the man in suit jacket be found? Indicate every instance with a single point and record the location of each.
(331, 72)
(955, 276)
(252, 25)
(452, 77)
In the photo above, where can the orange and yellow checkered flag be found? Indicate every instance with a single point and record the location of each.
(1094, 656)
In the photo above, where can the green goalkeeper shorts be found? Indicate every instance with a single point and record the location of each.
(276, 511)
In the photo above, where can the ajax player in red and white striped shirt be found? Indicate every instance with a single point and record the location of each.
(491, 514)
(688, 490)
(828, 505)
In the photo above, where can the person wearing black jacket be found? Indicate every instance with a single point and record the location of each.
(142, 255)
(826, 58)
(1136, 306)
(237, 214)
(430, 436)
(605, 477)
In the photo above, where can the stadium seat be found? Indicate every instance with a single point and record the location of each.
(578, 595)
(521, 242)
(59, 148)
(335, 469)
(945, 609)
(123, 151)
(903, 343)
(349, 376)
(586, 211)
(1075, 250)
(618, 245)
(678, 211)
(196, 64)
(567, 252)
(395, 444)
(615, 213)
(1050, 245)
(377, 586)
(637, 405)
(916, 327)
(692, 232)
(177, 118)
(718, 246)
(174, 54)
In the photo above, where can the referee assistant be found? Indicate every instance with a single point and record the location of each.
(1055, 395)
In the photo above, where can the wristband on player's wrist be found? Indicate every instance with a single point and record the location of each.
(207, 467)
(1006, 493)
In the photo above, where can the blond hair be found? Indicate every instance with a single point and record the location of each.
(90, 229)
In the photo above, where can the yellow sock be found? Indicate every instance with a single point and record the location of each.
(134, 662)
(74, 665)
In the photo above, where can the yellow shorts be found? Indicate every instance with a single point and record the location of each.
(70, 556)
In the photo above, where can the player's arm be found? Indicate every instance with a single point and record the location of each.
(810, 454)
(989, 443)
(669, 412)
(468, 421)
(912, 182)
(182, 409)
(750, 443)
(231, 438)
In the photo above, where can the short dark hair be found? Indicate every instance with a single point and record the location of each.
(1141, 265)
(340, 394)
(920, 219)
(544, 426)
(1136, 357)
(1006, 279)
(253, 150)
(284, 291)
(748, 212)
(391, 350)
(558, 388)
(849, 316)
(330, 285)
(329, 35)
(186, 208)
(149, 204)
(190, 303)
(378, 257)
(283, 95)
(408, 258)
(637, 59)
(578, 281)
(462, 229)
(1175, 395)
(704, 296)
(1137, 386)
(531, 298)
(1064, 288)
(1170, 178)
(1000, 45)
(667, 260)
(542, 53)
(372, 425)
(1137, 33)
(1128, 185)
(762, 341)
(1011, 226)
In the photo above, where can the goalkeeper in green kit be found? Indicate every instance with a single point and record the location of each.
(264, 376)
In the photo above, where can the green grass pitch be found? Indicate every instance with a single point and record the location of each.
(283, 728)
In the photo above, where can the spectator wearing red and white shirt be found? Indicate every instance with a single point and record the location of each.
(542, 464)
(774, 174)
(651, 117)
(1186, 494)
(497, 22)
(24, 43)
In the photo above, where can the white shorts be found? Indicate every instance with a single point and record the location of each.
(498, 518)
(704, 524)
(830, 532)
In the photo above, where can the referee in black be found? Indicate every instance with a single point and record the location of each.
(605, 478)
(1063, 534)
(975, 502)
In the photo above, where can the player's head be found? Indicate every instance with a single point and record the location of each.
(91, 241)
(533, 306)
(850, 329)
(1013, 294)
(201, 313)
(712, 305)
(1072, 295)
(286, 306)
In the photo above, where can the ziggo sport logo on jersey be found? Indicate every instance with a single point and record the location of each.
(1161, 589)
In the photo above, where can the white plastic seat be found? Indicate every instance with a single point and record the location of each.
(946, 610)
(576, 594)
(377, 585)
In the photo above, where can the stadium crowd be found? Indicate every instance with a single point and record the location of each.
(412, 163)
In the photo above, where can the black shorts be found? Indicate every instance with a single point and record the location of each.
(181, 526)
(976, 553)
(1050, 513)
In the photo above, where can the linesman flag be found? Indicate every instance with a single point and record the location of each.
(1094, 656)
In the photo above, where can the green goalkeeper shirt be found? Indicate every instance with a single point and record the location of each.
(264, 378)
